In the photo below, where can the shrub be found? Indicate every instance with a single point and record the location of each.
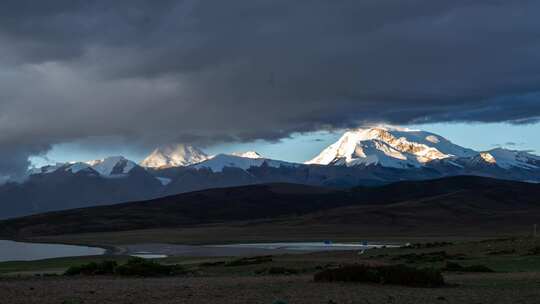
(277, 271)
(250, 261)
(428, 257)
(93, 268)
(85, 269)
(392, 274)
(147, 268)
(281, 270)
(212, 264)
(451, 266)
(133, 267)
(428, 245)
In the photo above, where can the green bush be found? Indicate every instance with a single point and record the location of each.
(250, 261)
(392, 274)
(212, 264)
(93, 268)
(428, 245)
(428, 257)
(133, 267)
(147, 268)
(451, 266)
(277, 271)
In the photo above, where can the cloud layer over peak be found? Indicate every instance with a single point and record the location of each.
(206, 71)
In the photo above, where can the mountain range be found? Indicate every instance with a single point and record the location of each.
(362, 157)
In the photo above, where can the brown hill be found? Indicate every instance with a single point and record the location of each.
(434, 204)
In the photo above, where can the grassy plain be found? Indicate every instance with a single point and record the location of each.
(515, 262)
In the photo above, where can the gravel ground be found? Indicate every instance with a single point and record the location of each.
(488, 288)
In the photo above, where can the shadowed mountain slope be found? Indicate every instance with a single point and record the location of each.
(465, 199)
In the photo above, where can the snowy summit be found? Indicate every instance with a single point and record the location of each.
(389, 146)
(248, 154)
(112, 166)
(177, 155)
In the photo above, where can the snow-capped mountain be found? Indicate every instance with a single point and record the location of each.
(368, 156)
(177, 155)
(248, 154)
(389, 146)
(74, 167)
(383, 146)
(243, 161)
(114, 166)
(78, 184)
(507, 159)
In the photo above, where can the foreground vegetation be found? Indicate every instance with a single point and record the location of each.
(387, 274)
(504, 255)
(489, 271)
(133, 267)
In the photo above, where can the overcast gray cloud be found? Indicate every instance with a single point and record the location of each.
(206, 71)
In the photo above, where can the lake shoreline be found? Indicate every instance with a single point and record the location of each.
(14, 251)
(109, 249)
(213, 250)
(217, 280)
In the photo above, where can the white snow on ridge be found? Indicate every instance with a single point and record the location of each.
(164, 180)
(177, 155)
(77, 167)
(508, 159)
(46, 169)
(128, 167)
(426, 144)
(106, 167)
(73, 167)
(389, 146)
(248, 154)
(394, 147)
(382, 145)
(433, 139)
(115, 166)
(220, 161)
(488, 158)
(380, 153)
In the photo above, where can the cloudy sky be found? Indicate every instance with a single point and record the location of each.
(85, 77)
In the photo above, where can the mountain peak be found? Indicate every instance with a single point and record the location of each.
(251, 159)
(73, 167)
(174, 155)
(488, 158)
(506, 159)
(112, 166)
(389, 146)
(248, 154)
(76, 167)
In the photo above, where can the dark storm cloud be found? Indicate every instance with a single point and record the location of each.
(206, 71)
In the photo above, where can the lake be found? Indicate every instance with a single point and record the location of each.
(20, 251)
(306, 246)
(155, 249)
